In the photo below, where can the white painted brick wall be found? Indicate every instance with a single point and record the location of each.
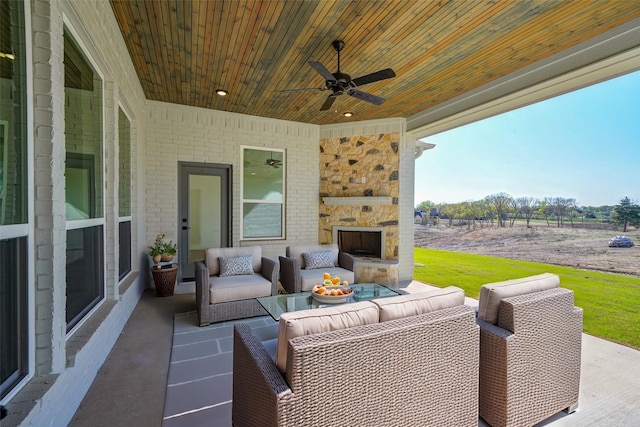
(49, 209)
(95, 28)
(177, 133)
(407, 184)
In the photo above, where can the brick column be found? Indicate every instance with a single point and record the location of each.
(49, 195)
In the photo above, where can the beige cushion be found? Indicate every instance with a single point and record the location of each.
(492, 293)
(419, 303)
(313, 321)
(212, 255)
(296, 252)
(233, 288)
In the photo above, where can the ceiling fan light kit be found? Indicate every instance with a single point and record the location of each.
(339, 83)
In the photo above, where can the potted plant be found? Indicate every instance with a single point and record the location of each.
(162, 251)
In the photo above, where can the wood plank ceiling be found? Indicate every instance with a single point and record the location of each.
(184, 50)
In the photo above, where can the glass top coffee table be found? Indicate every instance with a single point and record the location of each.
(278, 304)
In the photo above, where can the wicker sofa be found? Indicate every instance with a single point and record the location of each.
(226, 295)
(530, 350)
(296, 275)
(410, 360)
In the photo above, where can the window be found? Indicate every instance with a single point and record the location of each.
(13, 197)
(263, 175)
(13, 312)
(124, 194)
(84, 183)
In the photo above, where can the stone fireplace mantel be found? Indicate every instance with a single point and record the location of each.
(358, 201)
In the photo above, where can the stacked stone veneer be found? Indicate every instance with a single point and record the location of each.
(357, 166)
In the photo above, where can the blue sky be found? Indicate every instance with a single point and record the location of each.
(583, 145)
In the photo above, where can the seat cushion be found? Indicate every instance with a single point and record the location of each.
(232, 288)
(492, 293)
(419, 303)
(212, 257)
(313, 321)
(310, 278)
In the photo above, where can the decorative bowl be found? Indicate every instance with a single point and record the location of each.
(337, 299)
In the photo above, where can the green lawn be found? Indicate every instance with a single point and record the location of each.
(611, 302)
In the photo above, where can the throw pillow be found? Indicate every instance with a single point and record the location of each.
(313, 260)
(236, 266)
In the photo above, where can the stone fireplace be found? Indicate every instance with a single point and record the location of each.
(359, 209)
(366, 172)
(359, 188)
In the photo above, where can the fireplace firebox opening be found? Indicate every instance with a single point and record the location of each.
(361, 243)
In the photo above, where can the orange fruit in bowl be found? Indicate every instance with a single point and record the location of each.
(335, 280)
(327, 276)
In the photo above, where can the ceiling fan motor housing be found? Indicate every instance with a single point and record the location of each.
(338, 45)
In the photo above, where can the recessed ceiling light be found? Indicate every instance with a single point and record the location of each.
(347, 114)
(221, 92)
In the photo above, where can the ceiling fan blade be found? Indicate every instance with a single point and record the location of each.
(328, 102)
(302, 89)
(322, 70)
(366, 96)
(374, 77)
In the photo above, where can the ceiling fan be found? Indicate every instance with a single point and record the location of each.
(339, 82)
(274, 163)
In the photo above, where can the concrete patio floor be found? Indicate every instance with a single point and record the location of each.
(131, 385)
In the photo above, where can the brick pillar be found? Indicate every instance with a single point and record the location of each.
(49, 196)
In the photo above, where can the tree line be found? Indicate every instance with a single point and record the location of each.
(501, 209)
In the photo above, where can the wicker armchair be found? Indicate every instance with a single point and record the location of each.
(530, 359)
(415, 371)
(233, 297)
(296, 277)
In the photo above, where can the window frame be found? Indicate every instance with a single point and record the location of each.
(24, 230)
(97, 221)
(125, 218)
(244, 201)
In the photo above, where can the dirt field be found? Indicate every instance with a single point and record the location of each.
(573, 247)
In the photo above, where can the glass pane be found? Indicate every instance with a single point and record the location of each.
(83, 134)
(13, 311)
(205, 214)
(124, 141)
(262, 220)
(13, 115)
(263, 173)
(124, 237)
(79, 189)
(85, 266)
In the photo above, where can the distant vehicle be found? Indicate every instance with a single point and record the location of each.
(620, 242)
